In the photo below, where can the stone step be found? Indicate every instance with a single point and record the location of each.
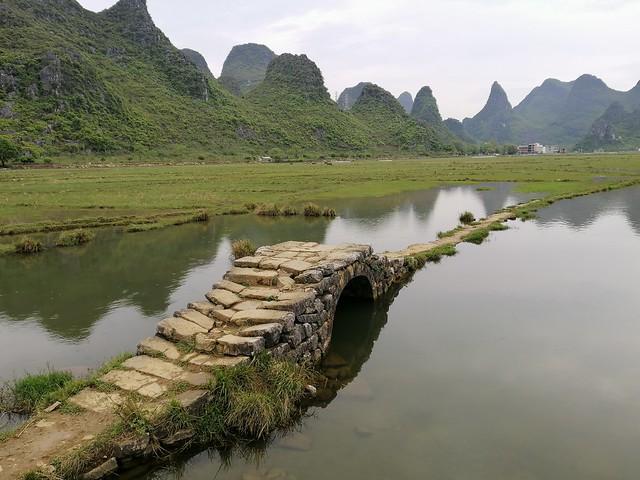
(206, 308)
(158, 346)
(231, 286)
(179, 329)
(234, 345)
(296, 267)
(196, 317)
(248, 262)
(252, 276)
(166, 370)
(98, 402)
(223, 297)
(134, 381)
(224, 316)
(270, 331)
(204, 360)
(257, 317)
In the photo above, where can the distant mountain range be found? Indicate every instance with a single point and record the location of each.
(561, 113)
(585, 114)
(72, 80)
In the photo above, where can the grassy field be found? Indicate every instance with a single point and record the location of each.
(74, 197)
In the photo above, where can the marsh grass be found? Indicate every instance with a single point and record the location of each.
(289, 211)
(28, 246)
(268, 210)
(74, 238)
(476, 236)
(27, 394)
(242, 248)
(435, 255)
(449, 233)
(312, 210)
(498, 227)
(328, 212)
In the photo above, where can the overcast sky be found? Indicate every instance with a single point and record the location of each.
(458, 47)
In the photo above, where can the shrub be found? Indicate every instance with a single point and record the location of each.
(28, 246)
(328, 212)
(250, 206)
(270, 210)
(71, 239)
(242, 248)
(312, 210)
(467, 218)
(8, 151)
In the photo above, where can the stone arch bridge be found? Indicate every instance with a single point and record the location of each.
(282, 300)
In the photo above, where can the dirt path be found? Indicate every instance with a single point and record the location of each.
(47, 437)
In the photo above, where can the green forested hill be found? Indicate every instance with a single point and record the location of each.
(74, 81)
(617, 129)
(390, 124)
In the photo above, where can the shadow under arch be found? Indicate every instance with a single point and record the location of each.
(358, 320)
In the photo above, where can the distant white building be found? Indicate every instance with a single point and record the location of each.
(539, 149)
(531, 149)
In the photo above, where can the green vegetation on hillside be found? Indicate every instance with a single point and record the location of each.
(390, 124)
(617, 129)
(73, 81)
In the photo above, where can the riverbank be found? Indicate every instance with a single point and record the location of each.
(149, 197)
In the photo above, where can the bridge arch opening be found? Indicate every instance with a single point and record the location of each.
(359, 287)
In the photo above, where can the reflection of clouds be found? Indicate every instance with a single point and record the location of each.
(399, 220)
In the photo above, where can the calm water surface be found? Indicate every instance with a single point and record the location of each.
(516, 359)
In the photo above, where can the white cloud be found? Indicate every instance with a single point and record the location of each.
(459, 47)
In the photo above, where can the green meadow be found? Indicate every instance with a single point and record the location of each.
(70, 197)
